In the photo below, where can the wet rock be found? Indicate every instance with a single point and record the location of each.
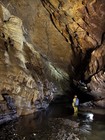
(10, 102)
(41, 105)
(8, 111)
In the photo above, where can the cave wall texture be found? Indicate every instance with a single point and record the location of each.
(61, 40)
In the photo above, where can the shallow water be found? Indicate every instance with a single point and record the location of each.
(92, 129)
(56, 123)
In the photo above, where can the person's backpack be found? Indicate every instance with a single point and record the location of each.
(77, 102)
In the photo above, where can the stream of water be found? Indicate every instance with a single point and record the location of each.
(56, 123)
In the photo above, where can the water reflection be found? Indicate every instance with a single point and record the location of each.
(89, 116)
(56, 123)
(92, 126)
(86, 123)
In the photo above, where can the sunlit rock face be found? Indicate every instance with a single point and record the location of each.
(58, 40)
(82, 23)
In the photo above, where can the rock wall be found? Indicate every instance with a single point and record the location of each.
(61, 41)
(31, 50)
(16, 79)
(83, 26)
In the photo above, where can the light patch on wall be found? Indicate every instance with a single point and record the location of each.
(58, 73)
(7, 61)
(6, 13)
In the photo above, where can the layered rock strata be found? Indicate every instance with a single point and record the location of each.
(83, 26)
(21, 66)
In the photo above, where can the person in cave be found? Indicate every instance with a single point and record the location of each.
(75, 104)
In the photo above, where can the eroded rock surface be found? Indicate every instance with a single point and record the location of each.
(21, 66)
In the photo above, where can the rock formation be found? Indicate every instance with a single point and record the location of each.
(59, 40)
(83, 26)
(27, 54)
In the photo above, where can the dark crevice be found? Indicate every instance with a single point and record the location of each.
(87, 33)
(33, 68)
(87, 10)
(70, 37)
(89, 78)
(85, 21)
(6, 45)
(103, 38)
(84, 65)
(83, 3)
(84, 96)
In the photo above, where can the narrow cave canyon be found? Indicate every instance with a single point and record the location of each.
(52, 48)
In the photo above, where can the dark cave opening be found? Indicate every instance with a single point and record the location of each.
(82, 93)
